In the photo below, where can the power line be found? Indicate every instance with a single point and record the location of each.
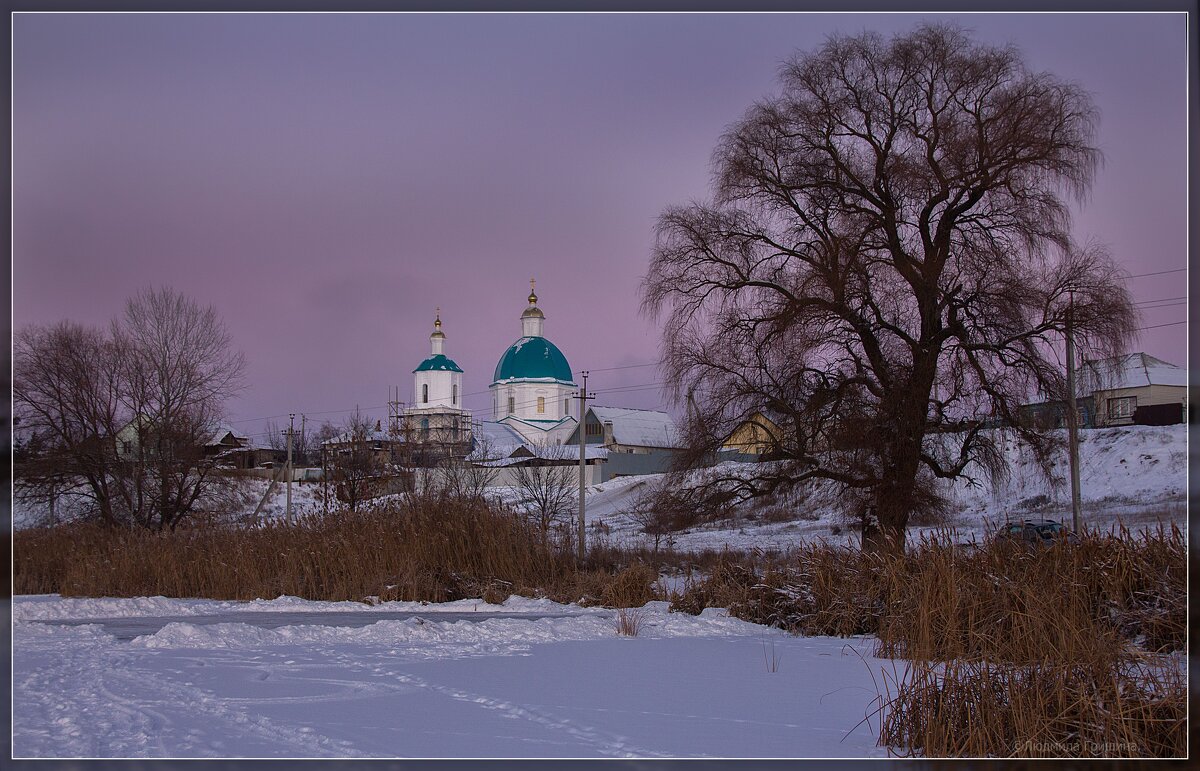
(627, 366)
(1163, 300)
(1157, 326)
(1157, 273)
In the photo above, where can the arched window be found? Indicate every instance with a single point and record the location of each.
(566, 407)
(425, 393)
(424, 428)
(512, 405)
(541, 404)
(454, 394)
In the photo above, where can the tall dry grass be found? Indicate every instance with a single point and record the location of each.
(429, 554)
(434, 551)
(1052, 709)
(1013, 650)
(940, 600)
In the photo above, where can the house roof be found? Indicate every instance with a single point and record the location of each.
(639, 428)
(221, 432)
(555, 452)
(1133, 370)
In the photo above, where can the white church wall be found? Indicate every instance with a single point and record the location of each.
(442, 390)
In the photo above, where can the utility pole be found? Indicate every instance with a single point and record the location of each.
(583, 399)
(288, 467)
(1072, 419)
(304, 440)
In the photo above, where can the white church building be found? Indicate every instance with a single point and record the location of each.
(534, 405)
(437, 415)
(532, 388)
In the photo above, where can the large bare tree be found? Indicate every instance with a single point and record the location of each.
(886, 267)
(67, 386)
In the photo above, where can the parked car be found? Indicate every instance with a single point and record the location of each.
(1036, 532)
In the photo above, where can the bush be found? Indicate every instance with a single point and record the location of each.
(633, 587)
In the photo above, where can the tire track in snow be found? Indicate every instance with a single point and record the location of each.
(300, 741)
(608, 744)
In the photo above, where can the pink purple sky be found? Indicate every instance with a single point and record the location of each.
(325, 181)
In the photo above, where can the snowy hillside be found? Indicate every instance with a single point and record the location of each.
(1134, 474)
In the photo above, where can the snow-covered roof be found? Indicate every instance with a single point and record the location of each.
(639, 428)
(568, 454)
(494, 440)
(221, 432)
(439, 362)
(1134, 370)
(544, 424)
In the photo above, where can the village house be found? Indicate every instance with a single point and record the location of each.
(636, 441)
(1135, 388)
(759, 435)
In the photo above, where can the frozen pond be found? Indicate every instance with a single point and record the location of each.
(288, 678)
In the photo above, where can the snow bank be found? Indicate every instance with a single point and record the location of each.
(54, 607)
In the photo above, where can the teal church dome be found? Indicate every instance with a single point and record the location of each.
(533, 358)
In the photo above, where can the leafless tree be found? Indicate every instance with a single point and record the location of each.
(179, 363)
(464, 480)
(549, 486)
(123, 416)
(67, 389)
(887, 265)
(353, 465)
(655, 521)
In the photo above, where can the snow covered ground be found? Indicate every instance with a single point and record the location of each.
(547, 681)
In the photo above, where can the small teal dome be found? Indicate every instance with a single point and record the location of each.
(533, 358)
(438, 362)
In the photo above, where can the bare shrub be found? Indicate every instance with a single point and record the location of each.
(630, 588)
(629, 621)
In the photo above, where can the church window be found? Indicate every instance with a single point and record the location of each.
(424, 428)
(454, 394)
(425, 393)
(541, 404)
(566, 410)
(512, 405)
